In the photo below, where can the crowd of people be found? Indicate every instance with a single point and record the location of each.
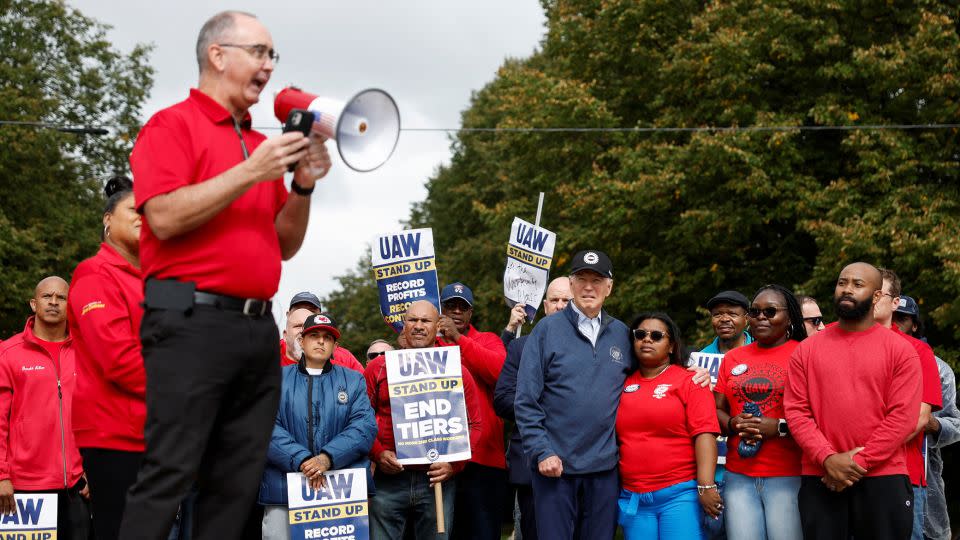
(151, 394)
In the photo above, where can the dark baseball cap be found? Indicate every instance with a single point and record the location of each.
(457, 290)
(306, 297)
(729, 297)
(321, 321)
(594, 260)
(908, 306)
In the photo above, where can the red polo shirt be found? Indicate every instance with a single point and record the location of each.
(236, 253)
(930, 394)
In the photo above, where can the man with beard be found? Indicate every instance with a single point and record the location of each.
(406, 491)
(852, 400)
(482, 487)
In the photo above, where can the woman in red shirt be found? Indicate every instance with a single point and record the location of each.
(666, 429)
(104, 317)
(763, 463)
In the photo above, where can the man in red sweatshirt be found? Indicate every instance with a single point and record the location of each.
(405, 490)
(38, 452)
(482, 489)
(852, 400)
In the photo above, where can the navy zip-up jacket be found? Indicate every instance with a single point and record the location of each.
(503, 399)
(568, 391)
(341, 422)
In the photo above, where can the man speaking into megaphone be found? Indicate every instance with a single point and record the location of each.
(217, 222)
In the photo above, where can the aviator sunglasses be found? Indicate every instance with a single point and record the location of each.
(639, 334)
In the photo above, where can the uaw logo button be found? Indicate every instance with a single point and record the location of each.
(739, 369)
(631, 388)
(433, 455)
(590, 257)
(342, 396)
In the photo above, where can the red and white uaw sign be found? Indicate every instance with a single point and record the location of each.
(529, 255)
(406, 271)
(34, 518)
(336, 511)
(427, 404)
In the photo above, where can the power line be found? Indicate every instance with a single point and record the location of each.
(102, 130)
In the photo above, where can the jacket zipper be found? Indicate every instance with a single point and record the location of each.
(63, 440)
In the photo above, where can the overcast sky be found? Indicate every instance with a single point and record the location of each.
(429, 55)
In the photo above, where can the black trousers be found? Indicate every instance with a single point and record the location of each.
(110, 474)
(73, 513)
(482, 497)
(213, 385)
(528, 512)
(875, 508)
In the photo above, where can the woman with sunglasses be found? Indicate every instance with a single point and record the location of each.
(763, 464)
(667, 431)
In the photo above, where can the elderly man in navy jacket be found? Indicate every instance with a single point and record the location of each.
(324, 422)
(568, 388)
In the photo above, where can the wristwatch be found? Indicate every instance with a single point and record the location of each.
(782, 428)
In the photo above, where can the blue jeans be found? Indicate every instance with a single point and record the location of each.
(400, 494)
(671, 512)
(919, 509)
(760, 508)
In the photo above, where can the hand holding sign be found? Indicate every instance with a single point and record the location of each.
(314, 468)
(517, 317)
(448, 329)
(7, 503)
(439, 473)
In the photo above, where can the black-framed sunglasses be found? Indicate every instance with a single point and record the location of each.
(639, 334)
(816, 321)
(768, 312)
(257, 50)
(372, 355)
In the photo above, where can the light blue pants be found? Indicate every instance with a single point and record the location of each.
(671, 512)
(919, 508)
(761, 508)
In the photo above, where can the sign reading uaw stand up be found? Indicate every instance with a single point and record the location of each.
(34, 518)
(529, 254)
(427, 405)
(405, 268)
(336, 511)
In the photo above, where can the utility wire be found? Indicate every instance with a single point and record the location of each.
(102, 130)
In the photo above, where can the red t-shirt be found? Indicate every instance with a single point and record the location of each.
(761, 378)
(236, 253)
(656, 423)
(52, 348)
(849, 389)
(932, 395)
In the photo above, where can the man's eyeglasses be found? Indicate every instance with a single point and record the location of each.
(815, 321)
(768, 312)
(639, 334)
(259, 51)
(372, 355)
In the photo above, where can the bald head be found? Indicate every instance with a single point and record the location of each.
(49, 302)
(420, 325)
(558, 294)
(865, 271)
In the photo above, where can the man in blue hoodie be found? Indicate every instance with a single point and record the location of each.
(568, 387)
(324, 422)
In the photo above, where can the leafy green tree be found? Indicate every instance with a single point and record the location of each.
(686, 213)
(57, 67)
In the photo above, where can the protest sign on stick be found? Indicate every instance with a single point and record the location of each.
(404, 266)
(529, 256)
(428, 409)
(34, 517)
(337, 510)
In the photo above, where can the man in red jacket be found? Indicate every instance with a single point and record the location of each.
(852, 399)
(482, 490)
(37, 379)
(403, 490)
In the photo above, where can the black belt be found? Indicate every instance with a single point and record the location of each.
(248, 306)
